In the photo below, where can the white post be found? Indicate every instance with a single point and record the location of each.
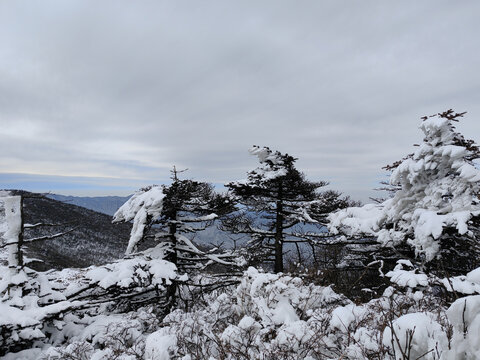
(13, 234)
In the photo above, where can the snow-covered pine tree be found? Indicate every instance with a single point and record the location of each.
(273, 199)
(436, 209)
(168, 214)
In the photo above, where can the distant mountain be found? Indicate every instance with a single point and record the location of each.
(93, 240)
(103, 204)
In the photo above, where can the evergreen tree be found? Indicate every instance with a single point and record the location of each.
(273, 199)
(171, 212)
(167, 214)
(434, 211)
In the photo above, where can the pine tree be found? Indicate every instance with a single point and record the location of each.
(435, 209)
(273, 199)
(183, 207)
(167, 214)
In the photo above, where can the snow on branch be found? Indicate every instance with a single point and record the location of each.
(33, 226)
(144, 203)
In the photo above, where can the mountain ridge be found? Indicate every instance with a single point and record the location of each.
(102, 204)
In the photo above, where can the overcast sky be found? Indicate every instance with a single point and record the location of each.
(101, 97)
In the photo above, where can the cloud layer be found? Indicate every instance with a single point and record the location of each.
(127, 89)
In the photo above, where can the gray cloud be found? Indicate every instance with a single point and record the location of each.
(127, 89)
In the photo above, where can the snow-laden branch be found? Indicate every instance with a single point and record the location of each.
(209, 217)
(40, 224)
(48, 237)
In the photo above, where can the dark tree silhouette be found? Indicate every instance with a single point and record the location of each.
(273, 199)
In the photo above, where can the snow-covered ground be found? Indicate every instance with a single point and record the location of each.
(264, 316)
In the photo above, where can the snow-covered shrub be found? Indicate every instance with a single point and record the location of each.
(29, 305)
(269, 316)
(127, 284)
(464, 315)
(416, 336)
(108, 337)
(272, 316)
(265, 315)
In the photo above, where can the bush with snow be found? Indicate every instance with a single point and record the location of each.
(416, 336)
(281, 317)
(268, 316)
(29, 306)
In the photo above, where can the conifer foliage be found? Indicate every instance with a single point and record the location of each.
(273, 199)
(171, 212)
(436, 207)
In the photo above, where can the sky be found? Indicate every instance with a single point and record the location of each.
(103, 97)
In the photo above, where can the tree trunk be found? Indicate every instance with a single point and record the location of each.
(172, 257)
(279, 235)
(20, 235)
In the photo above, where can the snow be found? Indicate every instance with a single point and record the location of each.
(284, 313)
(209, 217)
(144, 203)
(157, 345)
(407, 278)
(272, 167)
(469, 173)
(460, 284)
(464, 315)
(126, 272)
(474, 276)
(266, 155)
(357, 220)
(13, 220)
(425, 333)
(439, 187)
(264, 316)
(150, 198)
(14, 316)
(344, 316)
(29, 354)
